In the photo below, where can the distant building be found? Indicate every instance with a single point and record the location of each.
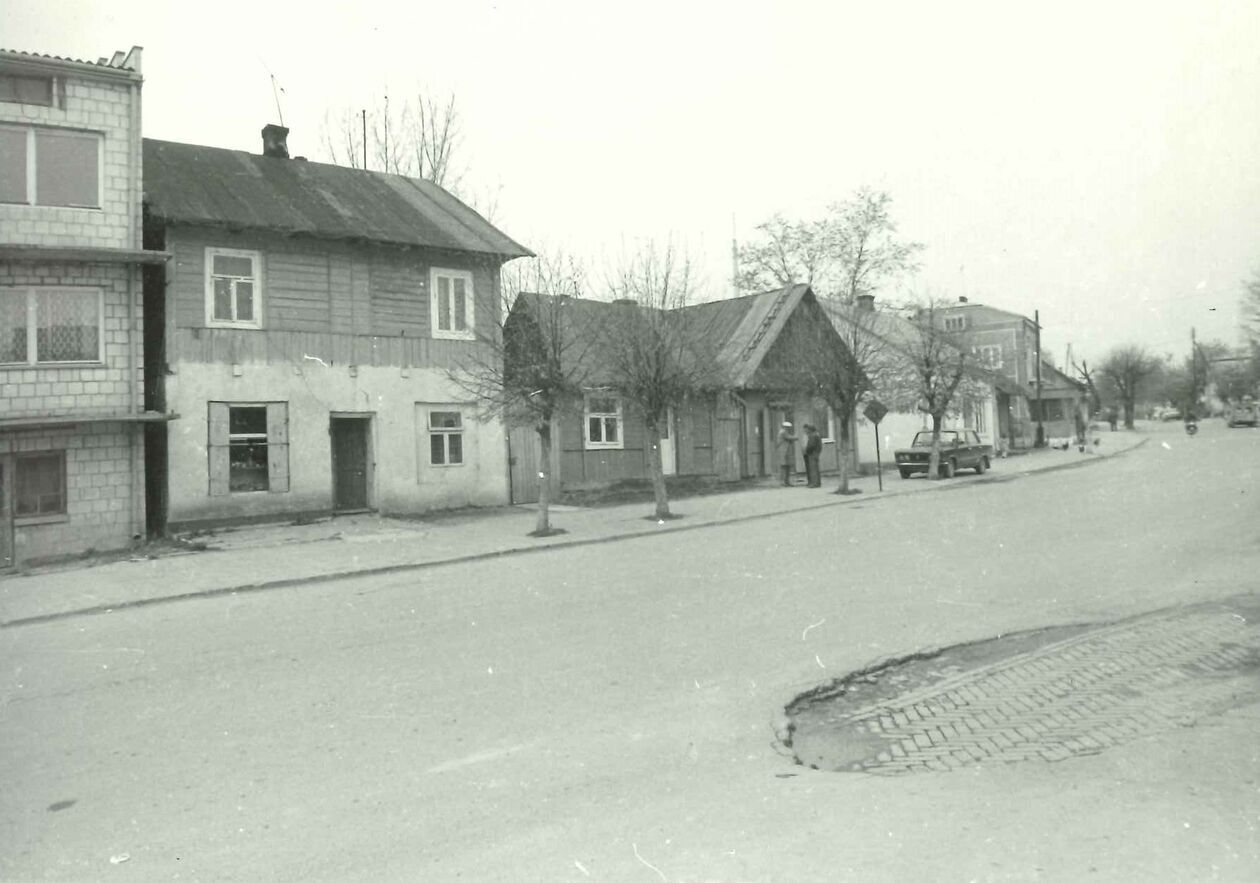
(308, 321)
(1006, 344)
(71, 400)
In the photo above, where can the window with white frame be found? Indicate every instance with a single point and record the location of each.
(446, 438)
(451, 294)
(51, 167)
(603, 421)
(233, 288)
(955, 323)
(249, 447)
(40, 325)
(39, 489)
(989, 355)
(824, 421)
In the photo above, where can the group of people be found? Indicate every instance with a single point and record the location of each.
(786, 446)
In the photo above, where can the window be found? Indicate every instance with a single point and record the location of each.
(446, 438)
(990, 356)
(1051, 409)
(41, 325)
(603, 422)
(40, 485)
(452, 299)
(249, 447)
(54, 167)
(955, 323)
(19, 89)
(233, 288)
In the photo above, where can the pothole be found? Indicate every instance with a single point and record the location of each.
(1041, 696)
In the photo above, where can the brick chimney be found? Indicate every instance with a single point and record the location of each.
(866, 303)
(275, 141)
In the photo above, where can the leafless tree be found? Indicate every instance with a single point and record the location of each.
(1126, 368)
(656, 353)
(418, 136)
(1251, 307)
(838, 359)
(1087, 377)
(850, 251)
(936, 372)
(533, 360)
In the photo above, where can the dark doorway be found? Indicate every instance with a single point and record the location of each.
(6, 521)
(349, 463)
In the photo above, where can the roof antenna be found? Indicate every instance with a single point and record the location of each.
(276, 89)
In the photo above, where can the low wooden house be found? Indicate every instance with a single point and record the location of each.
(727, 432)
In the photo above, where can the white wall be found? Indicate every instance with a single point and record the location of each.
(402, 481)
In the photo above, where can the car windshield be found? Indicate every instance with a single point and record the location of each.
(948, 437)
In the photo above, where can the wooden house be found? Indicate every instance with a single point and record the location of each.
(727, 432)
(305, 331)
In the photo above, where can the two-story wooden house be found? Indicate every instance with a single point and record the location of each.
(309, 321)
(71, 399)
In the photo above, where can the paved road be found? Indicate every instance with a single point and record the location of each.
(604, 713)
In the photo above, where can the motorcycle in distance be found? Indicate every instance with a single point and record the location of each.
(1192, 424)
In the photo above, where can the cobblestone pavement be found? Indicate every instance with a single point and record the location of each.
(1078, 696)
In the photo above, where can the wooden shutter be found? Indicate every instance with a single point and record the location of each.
(218, 449)
(278, 447)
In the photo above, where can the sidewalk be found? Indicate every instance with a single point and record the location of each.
(255, 558)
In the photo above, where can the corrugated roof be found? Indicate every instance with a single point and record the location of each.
(738, 332)
(193, 184)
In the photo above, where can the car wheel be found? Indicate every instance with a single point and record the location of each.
(981, 465)
(905, 473)
(947, 469)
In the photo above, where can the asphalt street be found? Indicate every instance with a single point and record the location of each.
(607, 712)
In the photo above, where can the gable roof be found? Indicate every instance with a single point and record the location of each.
(211, 186)
(901, 336)
(741, 330)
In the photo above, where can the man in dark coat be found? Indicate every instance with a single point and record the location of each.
(786, 447)
(813, 449)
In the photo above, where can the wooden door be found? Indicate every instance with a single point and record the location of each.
(6, 514)
(524, 465)
(349, 463)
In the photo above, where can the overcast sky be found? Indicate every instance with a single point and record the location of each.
(1098, 161)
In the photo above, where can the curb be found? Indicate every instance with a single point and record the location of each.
(248, 588)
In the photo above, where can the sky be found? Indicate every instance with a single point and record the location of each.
(1096, 162)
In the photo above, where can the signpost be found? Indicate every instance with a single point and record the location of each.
(874, 412)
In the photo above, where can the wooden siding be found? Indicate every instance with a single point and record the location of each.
(358, 304)
(237, 346)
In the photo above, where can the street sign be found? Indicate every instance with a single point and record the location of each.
(874, 411)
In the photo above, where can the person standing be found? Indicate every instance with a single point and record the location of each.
(813, 450)
(1080, 430)
(786, 444)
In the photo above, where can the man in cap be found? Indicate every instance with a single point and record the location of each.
(786, 445)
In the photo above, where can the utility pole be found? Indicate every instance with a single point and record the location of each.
(364, 113)
(1040, 441)
(1194, 375)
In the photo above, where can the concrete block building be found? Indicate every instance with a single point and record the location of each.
(72, 412)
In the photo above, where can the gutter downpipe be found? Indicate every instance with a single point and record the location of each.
(135, 430)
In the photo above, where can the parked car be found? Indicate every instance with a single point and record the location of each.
(960, 449)
(1243, 413)
(1167, 412)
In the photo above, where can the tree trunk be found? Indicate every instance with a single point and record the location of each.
(842, 451)
(1128, 413)
(934, 459)
(543, 525)
(657, 473)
